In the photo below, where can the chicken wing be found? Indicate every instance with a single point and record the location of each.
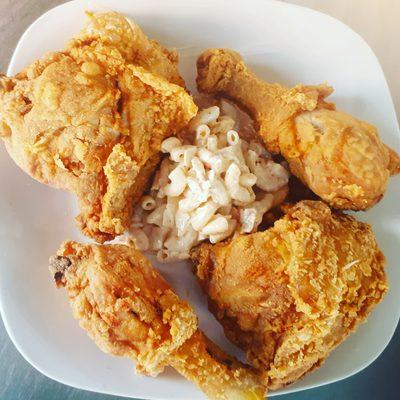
(289, 295)
(129, 310)
(114, 31)
(339, 157)
(86, 121)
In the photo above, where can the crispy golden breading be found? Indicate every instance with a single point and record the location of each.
(339, 157)
(129, 310)
(116, 32)
(87, 121)
(289, 295)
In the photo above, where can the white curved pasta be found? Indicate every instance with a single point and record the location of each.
(193, 185)
(198, 190)
(244, 195)
(188, 155)
(221, 236)
(167, 166)
(219, 224)
(189, 204)
(248, 218)
(148, 203)
(251, 216)
(198, 169)
(232, 182)
(218, 192)
(252, 159)
(170, 212)
(204, 191)
(234, 153)
(187, 241)
(171, 244)
(270, 176)
(205, 155)
(212, 143)
(247, 179)
(207, 116)
(232, 177)
(182, 221)
(183, 153)
(202, 134)
(157, 238)
(219, 164)
(178, 182)
(223, 125)
(206, 184)
(232, 137)
(210, 174)
(203, 214)
(171, 143)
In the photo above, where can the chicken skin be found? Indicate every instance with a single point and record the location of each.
(129, 310)
(289, 295)
(87, 121)
(115, 31)
(340, 158)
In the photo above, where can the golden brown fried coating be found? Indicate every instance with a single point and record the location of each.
(289, 295)
(339, 157)
(87, 121)
(117, 32)
(129, 310)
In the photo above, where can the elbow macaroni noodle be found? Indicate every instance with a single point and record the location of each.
(208, 190)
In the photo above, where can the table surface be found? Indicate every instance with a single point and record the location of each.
(377, 22)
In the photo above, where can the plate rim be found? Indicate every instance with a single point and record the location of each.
(283, 391)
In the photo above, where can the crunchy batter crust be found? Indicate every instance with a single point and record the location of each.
(291, 294)
(88, 121)
(129, 310)
(339, 157)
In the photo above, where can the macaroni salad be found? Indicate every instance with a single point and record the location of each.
(208, 190)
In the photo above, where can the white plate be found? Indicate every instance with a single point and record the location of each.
(281, 42)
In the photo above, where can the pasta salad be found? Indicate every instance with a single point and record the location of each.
(207, 189)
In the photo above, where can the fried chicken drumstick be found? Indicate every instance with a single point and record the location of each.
(340, 158)
(89, 121)
(289, 295)
(129, 310)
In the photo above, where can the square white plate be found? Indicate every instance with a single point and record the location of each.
(282, 43)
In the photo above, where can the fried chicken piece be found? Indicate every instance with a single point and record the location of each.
(339, 157)
(289, 295)
(117, 32)
(129, 310)
(86, 121)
